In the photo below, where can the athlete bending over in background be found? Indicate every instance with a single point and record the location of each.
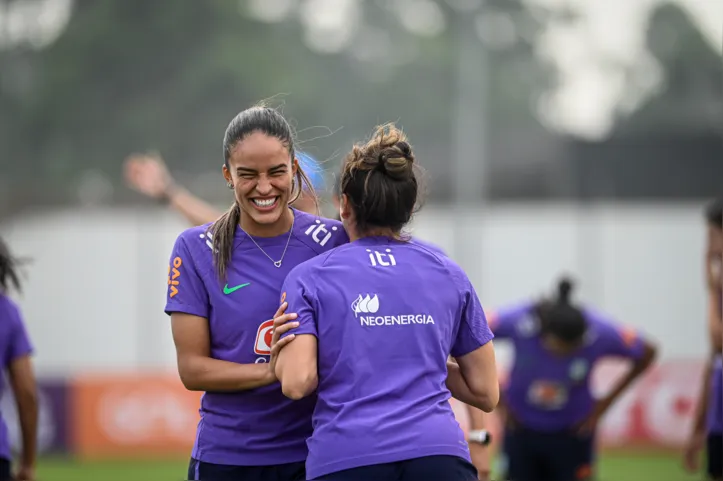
(550, 413)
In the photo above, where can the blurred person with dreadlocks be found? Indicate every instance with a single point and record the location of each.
(148, 174)
(550, 414)
(707, 428)
(16, 350)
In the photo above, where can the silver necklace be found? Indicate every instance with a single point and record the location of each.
(276, 263)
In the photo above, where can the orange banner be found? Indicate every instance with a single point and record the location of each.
(133, 416)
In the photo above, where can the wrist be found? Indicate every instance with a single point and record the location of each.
(479, 436)
(269, 375)
(169, 193)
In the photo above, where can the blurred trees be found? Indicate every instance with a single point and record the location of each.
(135, 74)
(690, 99)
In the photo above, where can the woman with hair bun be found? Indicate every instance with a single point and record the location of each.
(378, 319)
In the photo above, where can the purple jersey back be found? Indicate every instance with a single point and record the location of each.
(259, 426)
(387, 314)
(715, 406)
(14, 343)
(547, 392)
(429, 246)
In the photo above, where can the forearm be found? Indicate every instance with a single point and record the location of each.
(477, 419)
(195, 210)
(459, 388)
(207, 374)
(715, 323)
(624, 383)
(27, 406)
(298, 378)
(701, 407)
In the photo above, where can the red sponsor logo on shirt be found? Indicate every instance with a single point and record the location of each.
(173, 275)
(547, 394)
(262, 346)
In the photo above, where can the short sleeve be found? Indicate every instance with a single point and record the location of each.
(614, 340)
(504, 322)
(186, 290)
(473, 332)
(300, 297)
(19, 342)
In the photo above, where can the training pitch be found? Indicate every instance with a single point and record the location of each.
(613, 467)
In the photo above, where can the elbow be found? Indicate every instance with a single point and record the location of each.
(300, 386)
(651, 353)
(190, 383)
(488, 401)
(189, 378)
(484, 397)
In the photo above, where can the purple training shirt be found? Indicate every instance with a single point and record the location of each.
(14, 344)
(547, 392)
(387, 314)
(257, 427)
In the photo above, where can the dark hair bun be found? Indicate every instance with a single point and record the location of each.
(380, 179)
(564, 290)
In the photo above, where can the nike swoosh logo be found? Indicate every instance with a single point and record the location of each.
(229, 290)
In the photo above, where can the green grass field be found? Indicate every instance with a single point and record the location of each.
(613, 467)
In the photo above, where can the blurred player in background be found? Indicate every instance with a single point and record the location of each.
(148, 174)
(16, 353)
(707, 426)
(550, 413)
(382, 412)
(224, 285)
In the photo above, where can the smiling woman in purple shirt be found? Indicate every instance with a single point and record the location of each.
(550, 412)
(15, 352)
(378, 319)
(224, 281)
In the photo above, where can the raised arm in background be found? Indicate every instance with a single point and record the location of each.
(148, 174)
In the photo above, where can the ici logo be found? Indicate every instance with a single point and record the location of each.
(379, 258)
(319, 232)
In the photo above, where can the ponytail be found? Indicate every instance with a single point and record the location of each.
(8, 269)
(223, 232)
(559, 317)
